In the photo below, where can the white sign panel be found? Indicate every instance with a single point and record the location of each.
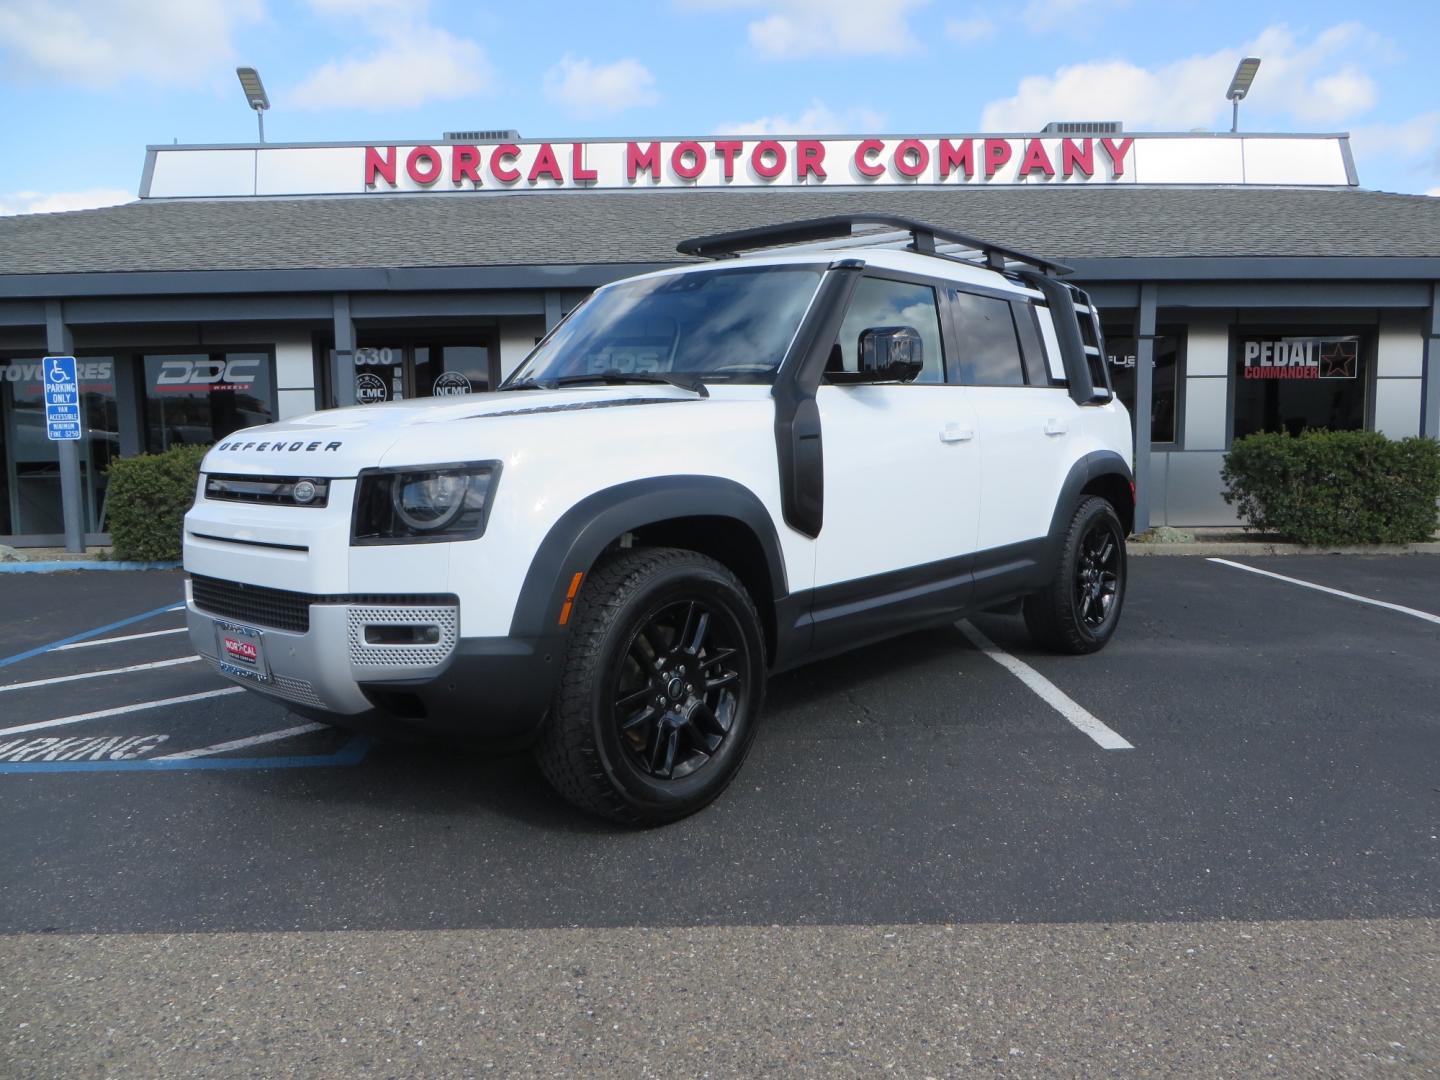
(717, 162)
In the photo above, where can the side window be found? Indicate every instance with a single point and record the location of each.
(878, 302)
(985, 341)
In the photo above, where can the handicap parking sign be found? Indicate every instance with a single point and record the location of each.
(62, 398)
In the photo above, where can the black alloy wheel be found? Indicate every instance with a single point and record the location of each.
(681, 684)
(1080, 608)
(1097, 574)
(660, 689)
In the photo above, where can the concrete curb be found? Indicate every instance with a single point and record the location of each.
(60, 566)
(1259, 547)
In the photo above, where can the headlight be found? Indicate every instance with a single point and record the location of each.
(443, 502)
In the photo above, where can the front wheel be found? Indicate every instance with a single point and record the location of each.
(662, 683)
(1080, 608)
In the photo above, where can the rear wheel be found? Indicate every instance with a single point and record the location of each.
(663, 680)
(1080, 608)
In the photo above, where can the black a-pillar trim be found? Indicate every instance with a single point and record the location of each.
(799, 448)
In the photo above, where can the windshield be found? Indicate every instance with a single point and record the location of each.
(722, 325)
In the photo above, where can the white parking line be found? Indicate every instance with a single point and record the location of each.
(40, 725)
(240, 744)
(100, 674)
(117, 640)
(1047, 691)
(1333, 592)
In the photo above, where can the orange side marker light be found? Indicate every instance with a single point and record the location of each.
(570, 598)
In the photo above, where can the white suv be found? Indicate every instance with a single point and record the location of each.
(700, 477)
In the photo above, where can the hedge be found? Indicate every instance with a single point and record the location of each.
(146, 502)
(1335, 487)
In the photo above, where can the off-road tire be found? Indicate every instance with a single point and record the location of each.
(581, 749)
(1054, 615)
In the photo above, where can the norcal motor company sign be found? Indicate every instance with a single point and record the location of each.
(759, 162)
(719, 162)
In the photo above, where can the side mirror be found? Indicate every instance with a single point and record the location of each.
(887, 354)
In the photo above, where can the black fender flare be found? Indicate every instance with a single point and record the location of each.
(1095, 464)
(576, 540)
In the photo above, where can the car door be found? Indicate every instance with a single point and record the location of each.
(1024, 421)
(902, 479)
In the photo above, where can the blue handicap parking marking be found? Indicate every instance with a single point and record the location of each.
(184, 726)
(351, 753)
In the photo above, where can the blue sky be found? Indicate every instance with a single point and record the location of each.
(86, 84)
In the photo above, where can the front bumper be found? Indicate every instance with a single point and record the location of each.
(491, 688)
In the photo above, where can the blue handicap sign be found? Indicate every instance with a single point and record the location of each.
(62, 398)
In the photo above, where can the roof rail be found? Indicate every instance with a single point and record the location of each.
(841, 232)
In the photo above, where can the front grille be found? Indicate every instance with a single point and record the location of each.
(269, 490)
(256, 605)
(298, 690)
(281, 609)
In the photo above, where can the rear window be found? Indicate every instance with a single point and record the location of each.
(988, 350)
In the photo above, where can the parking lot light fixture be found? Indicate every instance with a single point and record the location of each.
(254, 94)
(1240, 86)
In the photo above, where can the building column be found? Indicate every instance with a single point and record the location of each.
(59, 341)
(1144, 392)
(554, 309)
(1430, 369)
(342, 373)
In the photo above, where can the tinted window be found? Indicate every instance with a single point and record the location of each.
(197, 398)
(1122, 353)
(878, 302)
(989, 351)
(1300, 382)
(720, 324)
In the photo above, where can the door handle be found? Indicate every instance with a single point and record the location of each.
(953, 432)
(1056, 427)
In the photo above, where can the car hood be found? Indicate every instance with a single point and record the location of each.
(341, 442)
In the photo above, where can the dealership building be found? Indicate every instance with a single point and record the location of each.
(1247, 282)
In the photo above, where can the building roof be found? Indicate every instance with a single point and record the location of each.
(561, 228)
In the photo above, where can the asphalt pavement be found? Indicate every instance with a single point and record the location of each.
(929, 859)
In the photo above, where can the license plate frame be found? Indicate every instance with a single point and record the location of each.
(241, 652)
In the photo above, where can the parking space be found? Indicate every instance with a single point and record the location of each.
(1277, 763)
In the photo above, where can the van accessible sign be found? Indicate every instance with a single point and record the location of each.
(722, 161)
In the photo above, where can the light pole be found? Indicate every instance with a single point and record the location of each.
(1239, 87)
(254, 94)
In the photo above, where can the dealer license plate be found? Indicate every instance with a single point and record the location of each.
(241, 652)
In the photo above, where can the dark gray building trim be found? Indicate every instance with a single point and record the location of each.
(1430, 371)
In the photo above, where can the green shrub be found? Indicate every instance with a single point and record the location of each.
(1335, 487)
(146, 502)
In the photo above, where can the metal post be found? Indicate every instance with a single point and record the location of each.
(342, 375)
(260, 115)
(59, 341)
(1234, 116)
(1430, 371)
(1144, 393)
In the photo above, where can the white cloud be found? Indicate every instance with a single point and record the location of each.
(1042, 16)
(967, 31)
(101, 44)
(791, 28)
(1313, 82)
(51, 202)
(586, 88)
(418, 63)
(1434, 192)
(1409, 140)
(818, 119)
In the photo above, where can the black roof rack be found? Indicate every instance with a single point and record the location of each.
(925, 239)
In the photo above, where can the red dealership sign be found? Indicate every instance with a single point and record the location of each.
(745, 162)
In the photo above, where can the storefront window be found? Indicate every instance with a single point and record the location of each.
(196, 398)
(30, 462)
(1122, 352)
(1298, 382)
(398, 371)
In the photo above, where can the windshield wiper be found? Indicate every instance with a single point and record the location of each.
(527, 384)
(684, 381)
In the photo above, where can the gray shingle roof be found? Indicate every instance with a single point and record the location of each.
(637, 227)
